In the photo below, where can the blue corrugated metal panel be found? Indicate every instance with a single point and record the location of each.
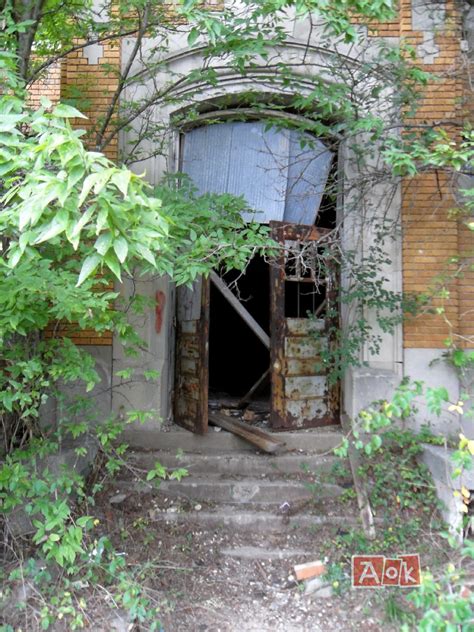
(206, 157)
(259, 169)
(277, 179)
(308, 173)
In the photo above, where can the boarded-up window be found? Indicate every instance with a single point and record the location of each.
(279, 179)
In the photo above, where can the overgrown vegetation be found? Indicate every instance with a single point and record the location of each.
(402, 495)
(73, 223)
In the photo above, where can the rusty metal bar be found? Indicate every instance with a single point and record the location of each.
(248, 396)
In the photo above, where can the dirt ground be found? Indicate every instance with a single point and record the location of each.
(206, 579)
(202, 587)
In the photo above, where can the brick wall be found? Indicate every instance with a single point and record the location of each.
(466, 236)
(431, 235)
(49, 85)
(88, 78)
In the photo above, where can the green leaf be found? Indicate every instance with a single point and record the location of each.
(121, 249)
(8, 122)
(121, 179)
(54, 228)
(103, 243)
(193, 36)
(95, 181)
(88, 268)
(14, 256)
(67, 111)
(113, 264)
(151, 374)
(376, 442)
(146, 254)
(84, 521)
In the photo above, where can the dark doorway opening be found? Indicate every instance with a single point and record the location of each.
(237, 358)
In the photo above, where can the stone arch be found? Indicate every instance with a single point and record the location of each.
(383, 371)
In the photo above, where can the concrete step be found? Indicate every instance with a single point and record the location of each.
(265, 553)
(242, 491)
(238, 463)
(318, 440)
(257, 522)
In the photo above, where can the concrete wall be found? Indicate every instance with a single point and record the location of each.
(156, 354)
(100, 397)
(429, 366)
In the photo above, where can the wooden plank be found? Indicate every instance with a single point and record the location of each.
(188, 409)
(277, 330)
(191, 388)
(189, 301)
(304, 326)
(305, 387)
(298, 400)
(362, 492)
(190, 353)
(260, 439)
(295, 232)
(240, 309)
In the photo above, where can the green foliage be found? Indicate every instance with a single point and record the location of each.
(61, 597)
(336, 17)
(375, 423)
(161, 472)
(72, 223)
(402, 493)
(398, 480)
(364, 291)
(396, 611)
(440, 599)
(74, 205)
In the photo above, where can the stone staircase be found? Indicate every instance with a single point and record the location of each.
(230, 484)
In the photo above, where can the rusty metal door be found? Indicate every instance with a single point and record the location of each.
(301, 394)
(191, 358)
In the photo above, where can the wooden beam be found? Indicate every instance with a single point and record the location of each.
(260, 439)
(240, 309)
(362, 492)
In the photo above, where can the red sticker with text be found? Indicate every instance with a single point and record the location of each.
(374, 571)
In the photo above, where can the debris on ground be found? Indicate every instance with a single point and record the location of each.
(308, 570)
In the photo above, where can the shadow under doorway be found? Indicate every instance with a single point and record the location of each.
(237, 358)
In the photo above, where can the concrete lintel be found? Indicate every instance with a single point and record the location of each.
(365, 385)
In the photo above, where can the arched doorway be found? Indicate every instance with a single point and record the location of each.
(268, 327)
